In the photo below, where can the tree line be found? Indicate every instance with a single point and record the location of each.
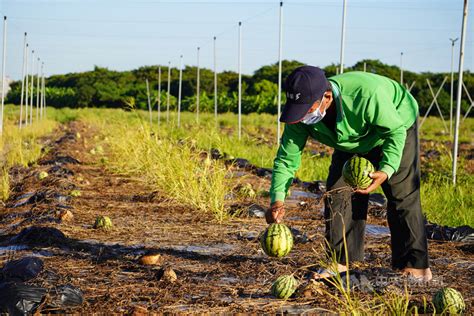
(102, 87)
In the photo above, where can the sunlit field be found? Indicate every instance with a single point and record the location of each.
(186, 194)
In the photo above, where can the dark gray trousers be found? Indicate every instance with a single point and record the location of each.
(346, 212)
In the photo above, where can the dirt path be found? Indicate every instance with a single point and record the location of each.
(219, 267)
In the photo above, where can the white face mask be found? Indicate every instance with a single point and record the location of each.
(315, 116)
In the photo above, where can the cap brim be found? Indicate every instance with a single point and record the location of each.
(293, 113)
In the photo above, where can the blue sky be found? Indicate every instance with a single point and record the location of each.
(75, 35)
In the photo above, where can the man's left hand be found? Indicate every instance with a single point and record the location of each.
(378, 178)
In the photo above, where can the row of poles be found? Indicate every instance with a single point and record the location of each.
(27, 98)
(158, 99)
(340, 71)
(451, 94)
(27, 89)
(239, 105)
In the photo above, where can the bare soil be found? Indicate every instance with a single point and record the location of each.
(219, 266)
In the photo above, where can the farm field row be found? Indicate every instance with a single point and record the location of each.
(166, 195)
(442, 203)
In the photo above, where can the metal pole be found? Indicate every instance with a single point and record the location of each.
(279, 71)
(343, 34)
(436, 103)
(401, 68)
(3, 69)
(149, 102)
(37, 89)
(432, 102)
(452, 87)
(240, 81)
(42, 97)
(168, 94)
(365, 66)
(459, 92)
(159, 95)
(215, 82)
(197, 88)
(32, 85)
(27, 87)
(411, 86)
(179, 88)
(470, 100)
(22, 82)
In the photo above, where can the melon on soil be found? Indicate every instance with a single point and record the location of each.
(284, 287)
(103, 222)
(449, 300)
(276, 240)
(42, 175)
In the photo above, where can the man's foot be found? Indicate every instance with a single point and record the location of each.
(329, 272)
(423, 275)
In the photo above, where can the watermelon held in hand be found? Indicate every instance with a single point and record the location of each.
(284, 287)
(356, 172)
(449, 300)
(276, 240)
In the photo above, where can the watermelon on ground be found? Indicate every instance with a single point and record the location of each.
(284, 287)
(103, 222)
(42, 175)
(276, 240)
(449, 300)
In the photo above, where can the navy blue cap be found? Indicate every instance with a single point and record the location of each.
(304, 86)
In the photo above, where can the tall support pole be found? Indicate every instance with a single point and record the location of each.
(32, 85)
(197, 88)
(240, 81)
(42, 91)
(401, 68)
(343, 35)
(179, 88)
(365, 66)
(44, 96)
(215, 82)
(149, 102)
(459, 92)
(4, 59)
(159, 96)
(280, 50)
(168, 94)
(27, 86)
(22, 82)
(452, 87)
(37, 89)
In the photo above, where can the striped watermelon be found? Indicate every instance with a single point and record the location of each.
(448, 300)
(103, 222)
(284, 287)
(276, 240)
(356, 172)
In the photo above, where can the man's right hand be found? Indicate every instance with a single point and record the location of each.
(275, 213)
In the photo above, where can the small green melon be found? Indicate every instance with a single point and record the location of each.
(42, 175)
(103, 222)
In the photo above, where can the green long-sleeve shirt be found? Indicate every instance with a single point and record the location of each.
(372, 111)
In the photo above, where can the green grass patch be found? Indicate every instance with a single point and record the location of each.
(22, 146)
(164, 163)
(441, 202)
(434, 129)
